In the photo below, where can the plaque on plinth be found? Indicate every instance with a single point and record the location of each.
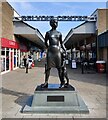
(56, 100)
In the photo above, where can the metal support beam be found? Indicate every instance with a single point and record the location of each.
(59, 18)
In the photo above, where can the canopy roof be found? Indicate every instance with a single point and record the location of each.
(79, 33)
(32, 34)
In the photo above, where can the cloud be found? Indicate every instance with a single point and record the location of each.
(25, 8)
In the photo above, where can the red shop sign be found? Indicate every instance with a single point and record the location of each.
(9, 43)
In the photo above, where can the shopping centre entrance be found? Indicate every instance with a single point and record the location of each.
(80, 41)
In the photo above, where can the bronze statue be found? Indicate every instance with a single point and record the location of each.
(64, 70)
(54, 57)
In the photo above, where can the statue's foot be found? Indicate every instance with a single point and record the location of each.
(45, 85)
(62, 85)
(66, 85)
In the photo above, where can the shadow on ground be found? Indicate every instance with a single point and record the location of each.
(75, 74)
(23, 98)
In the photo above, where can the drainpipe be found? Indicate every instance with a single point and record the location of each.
(85, 48)
(71, 55)
(107, 64)
(97, 47)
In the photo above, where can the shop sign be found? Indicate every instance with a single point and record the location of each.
(23, 48)
(59, 18)
(9, 43)
(82, 47)
(88, 47)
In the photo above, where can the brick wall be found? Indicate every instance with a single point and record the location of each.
(102, 20)
(7, 22)
(107, 19)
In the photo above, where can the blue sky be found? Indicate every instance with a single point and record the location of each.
(56, 9)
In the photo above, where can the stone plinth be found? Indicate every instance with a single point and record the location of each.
(56, 100)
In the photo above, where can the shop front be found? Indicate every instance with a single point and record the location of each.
(103, 48)
(10, 55)
(23, 51)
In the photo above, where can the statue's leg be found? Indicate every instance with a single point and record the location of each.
(47, 73)
(61, 77)
(66, 76)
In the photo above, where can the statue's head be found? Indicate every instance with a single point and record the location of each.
(54, 23)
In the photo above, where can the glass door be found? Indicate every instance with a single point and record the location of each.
(3, 61)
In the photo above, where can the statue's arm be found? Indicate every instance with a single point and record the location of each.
(62, 45)
(46, 39)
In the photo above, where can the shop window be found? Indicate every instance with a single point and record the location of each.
(90, 55)
(7, 59)
(2, 63)
(3, 59)
(15, 58)
(3, 51)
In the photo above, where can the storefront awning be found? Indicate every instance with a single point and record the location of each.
(79, 33)
(26, 31)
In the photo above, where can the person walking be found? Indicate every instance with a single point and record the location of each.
(29, 61)
(25, 60)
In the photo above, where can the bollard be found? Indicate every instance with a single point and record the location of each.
(26, 68)
(82, 67)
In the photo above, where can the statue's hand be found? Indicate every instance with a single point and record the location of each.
(65, 54)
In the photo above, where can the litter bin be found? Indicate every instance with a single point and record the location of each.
(101, 66)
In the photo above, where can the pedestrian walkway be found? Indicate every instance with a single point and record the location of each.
(18, 86)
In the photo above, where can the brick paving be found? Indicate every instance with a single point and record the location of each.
(18, 86)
